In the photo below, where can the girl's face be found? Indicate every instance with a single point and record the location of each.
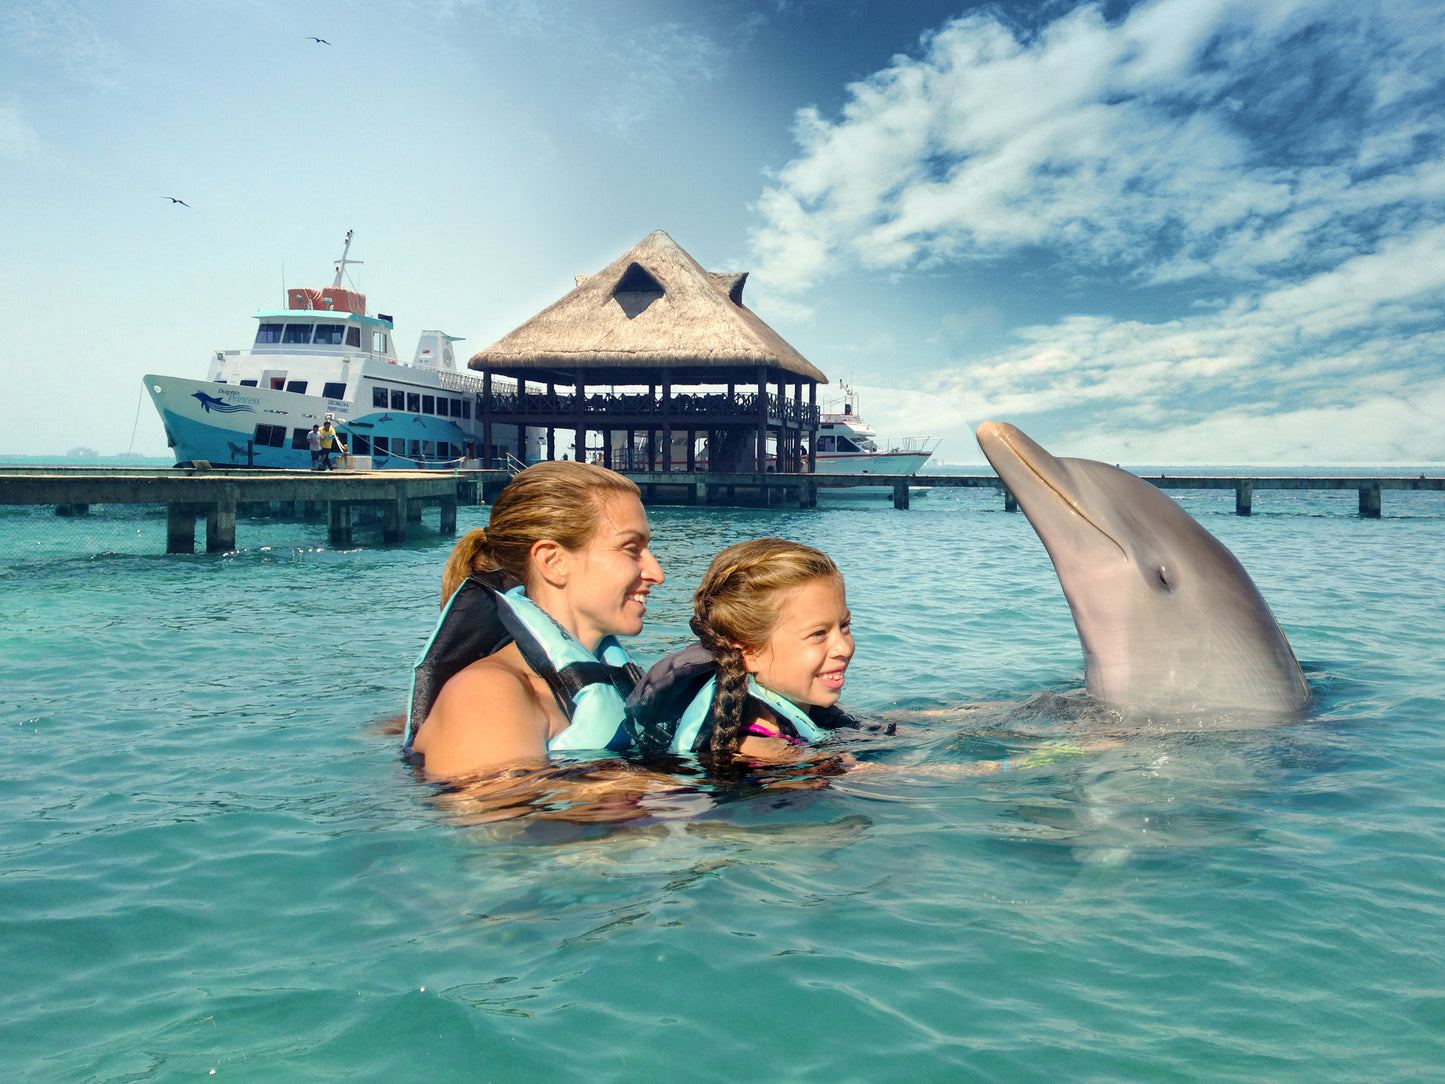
(614, 573)
(808, 652)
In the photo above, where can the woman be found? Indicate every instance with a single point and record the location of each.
(774, 642)
(525, 659)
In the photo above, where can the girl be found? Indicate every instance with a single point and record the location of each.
(774, 642)
(525, 659)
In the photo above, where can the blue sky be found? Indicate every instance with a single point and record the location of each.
(1173, 232)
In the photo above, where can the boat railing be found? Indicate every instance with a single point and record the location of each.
(512, 465)
(907, 445)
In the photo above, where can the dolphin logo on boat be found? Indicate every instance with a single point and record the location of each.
(1167, 616)
(210, 403)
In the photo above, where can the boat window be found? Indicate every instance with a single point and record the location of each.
(379, 397)
(398, 399)
(330, 334)
(382, 445)
(298, 438)
(298, 386)
(360, 445)
(428, 450)
(278, 383)
(413, 402)
(846, 445)
(270, 436)
(466, 410)
(444, 449)
(825, 444)
(456, 408)
(268, 333)
(334, 389)
(297, 333)
(428, 405)
(353, 336)
(378, 341)
(414, 449)
(248, 383)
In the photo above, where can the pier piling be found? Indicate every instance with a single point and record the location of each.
(1370, 501)
(1244, 497)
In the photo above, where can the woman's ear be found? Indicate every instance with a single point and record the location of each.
(550, 559)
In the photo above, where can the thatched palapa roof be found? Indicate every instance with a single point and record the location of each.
(653, 306)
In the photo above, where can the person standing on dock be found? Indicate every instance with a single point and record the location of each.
(329, 436)
(313, 441)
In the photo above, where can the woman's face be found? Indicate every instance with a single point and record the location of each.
(614, 573)
(808, 652)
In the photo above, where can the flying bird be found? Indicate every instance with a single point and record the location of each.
(173, 199)
(320, 41)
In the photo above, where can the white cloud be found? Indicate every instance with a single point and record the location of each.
(654, 67)
(1352, 352)
(1287, 155)
(621, 71)
(1188, 137)
(61, 37)
(18, 141)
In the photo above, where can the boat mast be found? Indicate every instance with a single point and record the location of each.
(341, 263)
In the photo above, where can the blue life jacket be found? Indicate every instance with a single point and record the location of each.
(677, 692)
(485, 615)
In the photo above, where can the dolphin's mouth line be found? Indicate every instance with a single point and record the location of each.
(1069, 502)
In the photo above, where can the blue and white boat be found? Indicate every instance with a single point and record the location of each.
(323, 356)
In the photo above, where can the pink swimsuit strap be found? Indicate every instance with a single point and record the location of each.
(761, 731)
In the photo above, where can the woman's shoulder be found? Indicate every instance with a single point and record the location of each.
(489, 713)
(504, 674)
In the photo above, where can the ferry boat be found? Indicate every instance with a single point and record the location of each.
(323, 356)
(849, 445)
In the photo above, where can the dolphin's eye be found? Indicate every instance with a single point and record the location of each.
(1163, 578)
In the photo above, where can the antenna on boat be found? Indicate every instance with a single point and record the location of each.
(341, 263)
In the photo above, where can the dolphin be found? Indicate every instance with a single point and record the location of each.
(1168, 618)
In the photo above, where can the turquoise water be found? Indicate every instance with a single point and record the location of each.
(213, 860)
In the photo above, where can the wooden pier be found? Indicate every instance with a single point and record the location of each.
(397, 498)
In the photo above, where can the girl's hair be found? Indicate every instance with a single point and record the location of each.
(738, 602)
(560, 501)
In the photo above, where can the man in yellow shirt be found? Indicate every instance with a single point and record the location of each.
(329, 435)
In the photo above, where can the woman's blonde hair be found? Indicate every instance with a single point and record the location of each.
(560, 501)
(738, 603)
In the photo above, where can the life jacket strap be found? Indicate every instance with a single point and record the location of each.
(576, 676)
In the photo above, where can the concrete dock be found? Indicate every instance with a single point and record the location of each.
(801, 490)
(396, 498)
(215, 496)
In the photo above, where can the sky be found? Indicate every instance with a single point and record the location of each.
(1171, 232)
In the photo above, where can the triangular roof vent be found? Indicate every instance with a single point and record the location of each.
(730, 283)
(636, 289)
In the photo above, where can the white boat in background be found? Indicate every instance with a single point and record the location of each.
(323, 356)
(849, 445)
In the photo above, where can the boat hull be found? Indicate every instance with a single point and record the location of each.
(237, 426)
(882, 463)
